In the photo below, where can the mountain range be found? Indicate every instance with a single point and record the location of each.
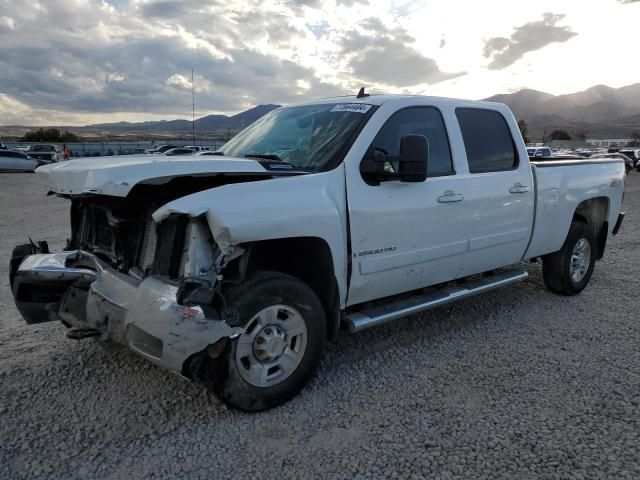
(207, 124)
(597, 111)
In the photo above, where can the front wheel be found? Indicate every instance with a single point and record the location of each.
(569, 270)
(281, 345)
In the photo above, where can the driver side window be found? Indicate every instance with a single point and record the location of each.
(426, 121)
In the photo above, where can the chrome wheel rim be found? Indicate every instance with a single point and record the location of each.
(580, 260)
(272, 346)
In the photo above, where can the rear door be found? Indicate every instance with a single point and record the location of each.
(498, 190)
(405, 235)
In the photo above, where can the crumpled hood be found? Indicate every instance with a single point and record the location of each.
(117, 175)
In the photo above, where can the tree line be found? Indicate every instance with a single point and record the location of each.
(564, 135)
(50, 135)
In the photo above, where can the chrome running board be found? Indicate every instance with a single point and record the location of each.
(380, 314)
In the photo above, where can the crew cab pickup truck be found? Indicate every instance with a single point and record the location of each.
(234, 269)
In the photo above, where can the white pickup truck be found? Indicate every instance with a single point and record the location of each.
(235, 269)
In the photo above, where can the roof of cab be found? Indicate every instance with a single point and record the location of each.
(379, 99)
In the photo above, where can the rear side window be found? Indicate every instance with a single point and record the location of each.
(426, 121)
(487, 140)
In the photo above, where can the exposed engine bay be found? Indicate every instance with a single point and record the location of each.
(122, 233)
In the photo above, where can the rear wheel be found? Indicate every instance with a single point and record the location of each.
(569, 270)
(281, 345)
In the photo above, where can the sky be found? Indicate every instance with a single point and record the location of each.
(73, 62)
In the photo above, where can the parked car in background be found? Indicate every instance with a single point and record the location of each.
(628, 163)
(12, 161)
(49, 153)
(633, 155)
(161, 149)
(179, 151)
(538, 152)
(131, 151)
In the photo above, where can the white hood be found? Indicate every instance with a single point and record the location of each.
(116, 176)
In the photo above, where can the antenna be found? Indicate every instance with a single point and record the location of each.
(361, 93)
(193, 110)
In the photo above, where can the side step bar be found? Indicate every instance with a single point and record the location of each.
(380, 314)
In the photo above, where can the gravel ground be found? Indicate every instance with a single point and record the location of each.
(518, 383)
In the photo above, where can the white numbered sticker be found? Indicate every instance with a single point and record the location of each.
(352, 107)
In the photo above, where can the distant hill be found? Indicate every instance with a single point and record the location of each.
(208, 124)
(525, 103)
(599, 110)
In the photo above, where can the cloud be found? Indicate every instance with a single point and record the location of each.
(351, 3)
(142, 63)
(308, 3)
(115, 77)
(171, 9)
(13, 111)
(379, 54)
(628, 1)
(526, 38)
(7, 24)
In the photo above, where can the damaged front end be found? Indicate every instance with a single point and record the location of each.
(125, 279)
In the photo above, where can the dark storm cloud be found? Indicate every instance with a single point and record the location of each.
(167, 9)
(526, 38)
(379, 54)
(103, 62)
(308, 3)
(144, 66)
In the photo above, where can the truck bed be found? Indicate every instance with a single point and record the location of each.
(562, 186)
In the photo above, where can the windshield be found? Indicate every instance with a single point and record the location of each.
(309, 137)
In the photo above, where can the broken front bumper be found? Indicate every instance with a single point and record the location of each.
(78, 289)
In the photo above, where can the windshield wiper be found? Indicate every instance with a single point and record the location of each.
(266, 156)
(274, 162)
(217, 152)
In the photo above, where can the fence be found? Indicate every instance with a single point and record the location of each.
(99, 149)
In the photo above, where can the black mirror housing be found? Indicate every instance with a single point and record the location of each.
(413, 158)
(410, 165)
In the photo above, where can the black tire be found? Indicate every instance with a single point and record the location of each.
(556, 267)
(627, 169)
(259, 291)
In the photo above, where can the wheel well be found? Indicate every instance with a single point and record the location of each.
(595, 213)
(306, 258)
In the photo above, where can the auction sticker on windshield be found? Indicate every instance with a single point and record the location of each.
(352, 107)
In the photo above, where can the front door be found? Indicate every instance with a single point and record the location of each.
(405, 235)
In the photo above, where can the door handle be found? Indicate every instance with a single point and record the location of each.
(450, 196)
(519, 188)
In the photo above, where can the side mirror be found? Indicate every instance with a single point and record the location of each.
(413, 158)
(410, 165)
